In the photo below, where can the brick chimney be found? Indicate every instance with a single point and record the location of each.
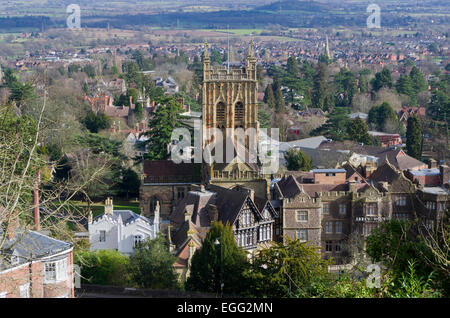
(131, 102)
(213, 212)
(432, 163)
(352, 186)
(109, 207)
(252, 194)
(187, 216)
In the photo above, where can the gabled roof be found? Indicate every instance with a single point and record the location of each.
(289, 186)
(229, 202)
(195, 203)
(385, 173)
(351, 171)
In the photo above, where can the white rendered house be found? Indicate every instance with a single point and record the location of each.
(121, 230)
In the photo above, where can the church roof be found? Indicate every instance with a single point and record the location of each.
(168, 170)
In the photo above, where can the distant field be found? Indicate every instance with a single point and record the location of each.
(240, 31)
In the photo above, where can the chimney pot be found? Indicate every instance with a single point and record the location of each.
(109, 207)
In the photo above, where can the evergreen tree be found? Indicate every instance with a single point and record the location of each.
(278, 95)
(151, 265)
(404, 85)
(269, 98)
(357, 130)
(382, 79)
(86, 88)
(218, 261)
(96, 122)
(320, 87)
(363, 84)
(297, 160)
(418, 81)
(21, 93)
(164, 120)
(292, 66)
(345, 83)
(414, 137)
(260, 73)
(308, 72)
(379, 116)
(287, 269)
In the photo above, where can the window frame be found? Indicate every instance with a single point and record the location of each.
(102, 236)
(302, 216)
(328, 227)
(59, 270)
(327, 205)
(340, 227)
(24, 290)
(298, 237)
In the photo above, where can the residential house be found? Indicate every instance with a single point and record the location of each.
(121, 230)
(34, 265)
(253, 219)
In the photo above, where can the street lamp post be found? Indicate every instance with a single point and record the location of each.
(217, 242)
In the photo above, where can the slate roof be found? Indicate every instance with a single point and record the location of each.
(291, 186)
(228, 202)
(26, 244)
(396, 157)
(385, 173)
(169, 169)
(194, 202)
(126, 215)
(425, 172)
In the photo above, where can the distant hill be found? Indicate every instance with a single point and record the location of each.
(293, 5)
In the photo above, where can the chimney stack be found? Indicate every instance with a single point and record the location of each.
(187, 216)
(213, 212)
(109, 207)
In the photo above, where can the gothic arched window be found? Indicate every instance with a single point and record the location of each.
(220, 112)
(239, 111)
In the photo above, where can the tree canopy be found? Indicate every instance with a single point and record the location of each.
(298, 160)
(219, 260)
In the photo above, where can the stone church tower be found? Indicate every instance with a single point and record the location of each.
(230, 101)
(230, 95)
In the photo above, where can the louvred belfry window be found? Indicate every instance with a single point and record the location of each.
(239, 111)
(220, 112)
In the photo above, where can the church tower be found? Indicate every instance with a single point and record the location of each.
(230, 101)
(230, 95)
